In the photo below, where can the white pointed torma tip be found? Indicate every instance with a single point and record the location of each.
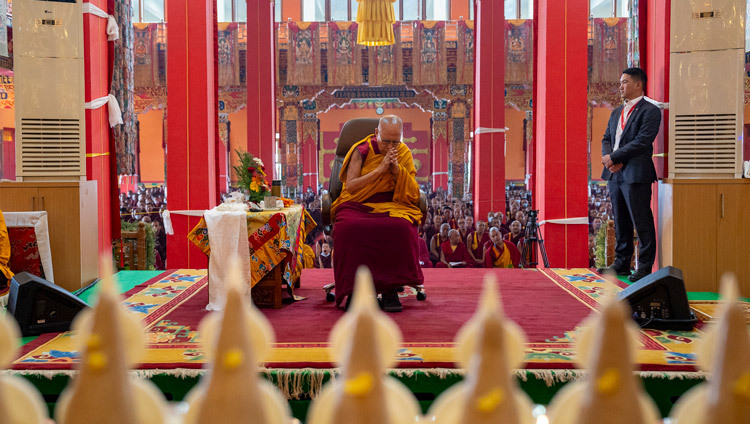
(20, 402)
(724, 351)
(489, 346)
(110, 341)
(234, 339)
(612, 393)
(364, 342)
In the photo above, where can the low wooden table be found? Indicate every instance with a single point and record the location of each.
(267, 293)
(275, 240)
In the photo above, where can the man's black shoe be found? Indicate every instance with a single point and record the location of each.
(391, 302)
(614, 270)
(640, 273)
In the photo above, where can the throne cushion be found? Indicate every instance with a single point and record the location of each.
(24, 251)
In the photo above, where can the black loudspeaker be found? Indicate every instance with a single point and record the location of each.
(659, 301)
(40, 306)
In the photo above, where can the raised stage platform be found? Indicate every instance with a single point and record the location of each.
(548, 304)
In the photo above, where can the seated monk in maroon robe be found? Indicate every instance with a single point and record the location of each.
(376, 216)
(475, 242)
(515, 235)
(437, 241)
(453, 253)
(500, 253)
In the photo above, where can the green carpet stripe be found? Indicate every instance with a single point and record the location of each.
(125, 280)
(694, 296)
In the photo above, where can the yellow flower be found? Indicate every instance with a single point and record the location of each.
(254, 185)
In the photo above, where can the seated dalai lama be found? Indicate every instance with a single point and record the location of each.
(500, 253)
(376, 216)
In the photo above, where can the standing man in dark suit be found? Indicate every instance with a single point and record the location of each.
(627, 147)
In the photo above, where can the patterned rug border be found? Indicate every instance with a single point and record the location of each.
(582, 284)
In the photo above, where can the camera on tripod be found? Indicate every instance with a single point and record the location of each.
(532, 239)
(531, 225)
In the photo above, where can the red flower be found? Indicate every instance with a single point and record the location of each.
(250, 169)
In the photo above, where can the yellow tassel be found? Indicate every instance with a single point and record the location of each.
(375, 19)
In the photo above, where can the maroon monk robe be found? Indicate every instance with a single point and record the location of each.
(514, 239)
(387, 245)
(325, 261)
(458, 255)
(477, 252)
(491, 257)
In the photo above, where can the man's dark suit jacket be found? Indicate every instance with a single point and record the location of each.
(636, 143)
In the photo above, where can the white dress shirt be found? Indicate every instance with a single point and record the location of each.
(623, 120)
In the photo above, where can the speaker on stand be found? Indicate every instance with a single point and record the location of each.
(40, 306)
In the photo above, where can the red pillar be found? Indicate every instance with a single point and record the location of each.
(261, 83)
(560, 189)
(191, 124)
(655, 61)
(96, 81)
(489, 108)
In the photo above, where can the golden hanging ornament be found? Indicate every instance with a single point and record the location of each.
(375, 19)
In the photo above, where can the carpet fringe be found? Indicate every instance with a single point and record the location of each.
(300, 383)
(182, 373)
(686, 375)
(306, 383)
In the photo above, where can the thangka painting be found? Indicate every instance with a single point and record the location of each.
(465, 53)
(303, 53)
(429, 53)
(610, 49)
(344, 54)
(519, 51)
(145, 56)
(229, 54)
(386, 62)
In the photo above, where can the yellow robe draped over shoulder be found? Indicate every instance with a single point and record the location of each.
(4, 249)
(502, 260)
(404, 186)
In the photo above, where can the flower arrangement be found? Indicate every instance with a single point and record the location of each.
(251, 176)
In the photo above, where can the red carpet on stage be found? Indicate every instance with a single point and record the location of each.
(452, 295)
(548, 304)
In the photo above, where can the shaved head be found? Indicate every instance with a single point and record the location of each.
(389, 132)
(455, 237)
(390, 122)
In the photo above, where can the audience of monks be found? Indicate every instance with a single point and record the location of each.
(458, 214)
